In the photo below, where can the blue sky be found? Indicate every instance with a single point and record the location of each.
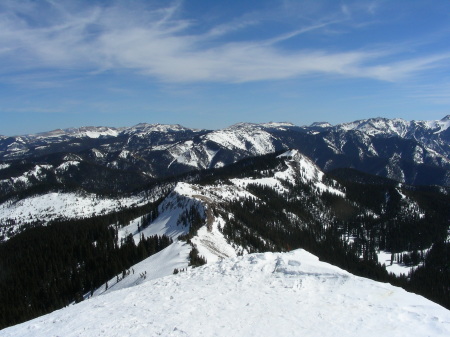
(210, 64)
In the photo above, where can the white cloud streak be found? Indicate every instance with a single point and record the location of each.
(160, 44)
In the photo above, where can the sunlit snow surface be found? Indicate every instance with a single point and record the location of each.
(156, 266)
(396, 267)
(56, 205)
(290, 294)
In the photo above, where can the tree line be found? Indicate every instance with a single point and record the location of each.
(48, 267)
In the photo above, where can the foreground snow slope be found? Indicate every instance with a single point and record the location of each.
(156, 266)
(290, 294)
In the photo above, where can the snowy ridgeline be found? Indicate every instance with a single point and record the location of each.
(209, 239)
(267, 294)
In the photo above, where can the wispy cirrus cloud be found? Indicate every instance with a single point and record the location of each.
(435, 93)
(160, 43)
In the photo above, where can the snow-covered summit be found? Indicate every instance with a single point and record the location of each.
(376, 126)
(299, 169)
(440, 125)
(309, 171)
(266, 294)
(85, 131)
(320, 125)
(278, 125)
(303, 167)
(244, 137)
(395, 127)
(146, 128)
(268, 125)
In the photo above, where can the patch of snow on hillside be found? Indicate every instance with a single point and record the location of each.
(261, 142)
(17, 147)
(209, 239)
(43, 147)
(36, 172)
(266, 294)
(72, 157)
(97, 153)
(211, 154)
(215, 193)
(309, 172)
(66, 165)
(156, 266)
(396, 267)
(418, 155)
(435, 156)
(245, 138)
(162, 147)
(441, 125)
(271, 182)
(211, 243)
(189, 158)
(230, 193)
(332, 146)
(98, 134)
(444, 123)
(298, 166)
(166, 223)
(55, 205)
(282, 126)
(188, 153)
(85, 131)
(124, 154)
(144, 128)
(226, 138)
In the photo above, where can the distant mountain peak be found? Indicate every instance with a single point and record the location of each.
(277, 124)
(261, 125)
(84, 131)
(242, 125)
(320, 125)
(445, 123)
(158, 127)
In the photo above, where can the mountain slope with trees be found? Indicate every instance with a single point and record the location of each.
(276, 202)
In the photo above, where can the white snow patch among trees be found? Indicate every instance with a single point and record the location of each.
(56, 205)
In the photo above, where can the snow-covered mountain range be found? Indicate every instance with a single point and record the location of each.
(415, 152)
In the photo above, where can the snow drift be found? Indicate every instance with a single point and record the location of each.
(266, 294)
